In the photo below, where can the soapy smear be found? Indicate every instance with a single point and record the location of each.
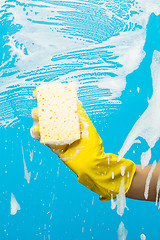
(145, 158)
(27, 175)
(45, 46)
(31, 155)
(95, 43)
(148, 125)
(149, 179)
(157, 190)
(14, 205)
(143, 237)
(50, 42)
(120, 201)
(122, 232)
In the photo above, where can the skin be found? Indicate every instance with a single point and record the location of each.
(137, 188)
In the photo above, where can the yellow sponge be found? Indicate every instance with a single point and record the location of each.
(57, 111)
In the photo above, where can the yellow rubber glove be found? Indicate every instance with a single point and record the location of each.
(98, 171)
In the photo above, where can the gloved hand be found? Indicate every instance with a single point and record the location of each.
(98, 171)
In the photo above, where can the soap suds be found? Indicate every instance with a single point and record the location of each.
(157, 190)
(143, 237)
(145, 158)
(47, 45)
(122, 232)
(27, 175)
(31, 155)
(46, 48)
(148, 125)
(14, 205)
(120, 201)
(149, 179)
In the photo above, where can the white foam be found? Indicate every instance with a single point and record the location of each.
(2, 3)
(120, 201)
(145, 158)
(157, 189)
(14, 205)
(143, 237)
(122, 232)
(27, 175)
(148, 125)
(42, 36)
(31, 155)
(113, 203)
(37, 43)
(122, 170)
(8, 122)
(148, 180)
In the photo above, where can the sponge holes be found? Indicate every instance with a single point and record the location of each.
(52, 111)
(52, 129)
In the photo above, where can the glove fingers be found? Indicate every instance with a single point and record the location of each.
(58, 149)
(35, 94)
(35, 133)
(35, 114)
(82, 113)
(85, 122)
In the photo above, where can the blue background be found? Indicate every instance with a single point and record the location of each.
(54, 205)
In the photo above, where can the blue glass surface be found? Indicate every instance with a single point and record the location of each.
(54, 205)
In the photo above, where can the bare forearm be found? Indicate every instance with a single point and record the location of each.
(138, 185)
